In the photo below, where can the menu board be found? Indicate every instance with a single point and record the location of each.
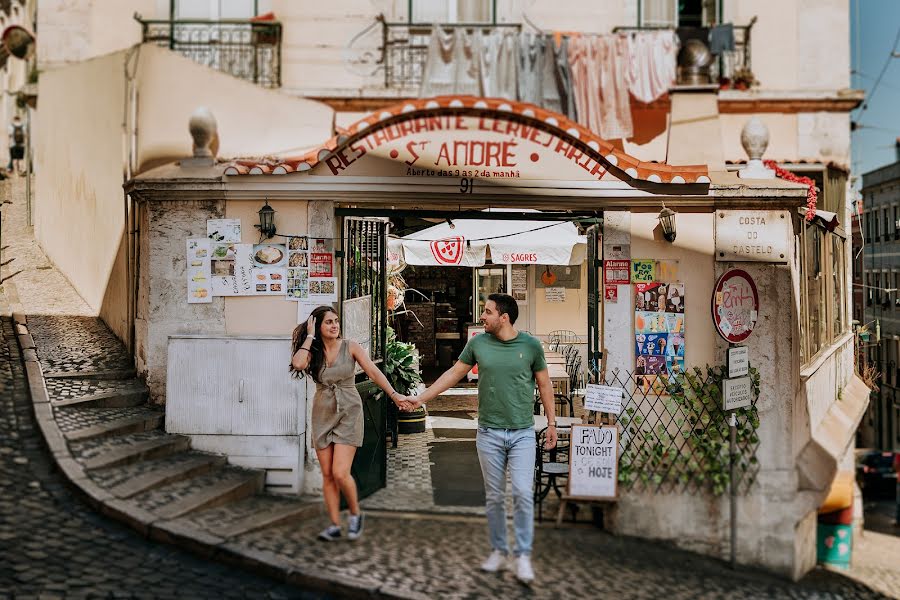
(198, 265)
(658, 333)
(593, 462)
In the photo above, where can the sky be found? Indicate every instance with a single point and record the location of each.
(874, 25)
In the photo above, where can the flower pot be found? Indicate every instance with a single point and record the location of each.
(412, 421)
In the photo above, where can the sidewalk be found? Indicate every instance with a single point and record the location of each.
(107, 441)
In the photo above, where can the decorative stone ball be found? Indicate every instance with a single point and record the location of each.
(203, 129)
(755, 138)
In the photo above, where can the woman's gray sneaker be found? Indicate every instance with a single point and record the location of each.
(330, 534)
(355, 528)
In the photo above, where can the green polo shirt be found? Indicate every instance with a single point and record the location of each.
(505, 378)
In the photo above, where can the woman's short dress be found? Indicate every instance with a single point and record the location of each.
(337, 415)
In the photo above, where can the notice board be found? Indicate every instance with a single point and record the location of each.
(593, 462)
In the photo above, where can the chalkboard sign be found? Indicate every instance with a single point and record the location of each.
(593, 462)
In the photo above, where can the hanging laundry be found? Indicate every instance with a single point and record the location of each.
(615, 104)
(452, 64)
(564, 79)
(654, 58)
(721, 38)
(498, 63)
(598, 65)
(585, 71)
(537, 72)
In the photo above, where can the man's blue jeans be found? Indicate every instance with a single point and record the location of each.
(498, 448)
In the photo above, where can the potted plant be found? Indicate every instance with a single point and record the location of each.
(402, 369)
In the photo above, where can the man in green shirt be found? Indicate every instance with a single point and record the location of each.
(509, 365)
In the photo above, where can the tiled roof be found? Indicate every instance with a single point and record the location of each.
(621, 164)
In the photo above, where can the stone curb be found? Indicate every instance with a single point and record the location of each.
(174, 531)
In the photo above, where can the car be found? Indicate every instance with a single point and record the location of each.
(875, 472)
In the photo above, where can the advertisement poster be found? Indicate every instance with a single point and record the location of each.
(658, 333)
(617, 272)
(323, 291)
(298, 284)
(223, 230)
(242, 275)
(321, 258)
(267, 256)
(520, 284)
(643, 270)
(198, 271)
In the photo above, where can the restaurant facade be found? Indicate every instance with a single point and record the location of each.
(646, 290)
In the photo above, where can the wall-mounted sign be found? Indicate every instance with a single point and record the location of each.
(735, 305)
(565, 276)
(617, 272)
(593, 462)
(738, 361)
(752, 235)
(603, 398)
(737, 393)
(643, 270)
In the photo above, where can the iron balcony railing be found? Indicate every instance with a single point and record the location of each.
(405, 48)
(732, 69)
(247, 49)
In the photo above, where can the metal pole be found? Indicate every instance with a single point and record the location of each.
(28, 166)
(732, 451)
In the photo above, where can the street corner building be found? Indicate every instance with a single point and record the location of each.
(639, 223)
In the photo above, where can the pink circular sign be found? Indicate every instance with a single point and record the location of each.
(735, 305)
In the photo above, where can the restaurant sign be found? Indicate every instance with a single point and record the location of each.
(467, 149)
(752, 236)
(735, 306)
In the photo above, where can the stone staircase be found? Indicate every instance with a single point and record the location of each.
(110, 435)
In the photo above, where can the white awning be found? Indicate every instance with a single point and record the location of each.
(468, 241)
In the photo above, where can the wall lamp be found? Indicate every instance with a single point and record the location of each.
(667, 222)
(266, 221)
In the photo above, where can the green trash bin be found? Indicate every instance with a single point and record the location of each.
(834, 545)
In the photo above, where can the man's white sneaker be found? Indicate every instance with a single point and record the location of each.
(495, 562)
(524, 572)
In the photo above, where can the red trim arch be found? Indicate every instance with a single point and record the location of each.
(620, 164)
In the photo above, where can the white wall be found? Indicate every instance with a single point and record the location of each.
(81, 151)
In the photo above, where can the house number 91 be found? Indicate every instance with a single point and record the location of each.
(466, 185)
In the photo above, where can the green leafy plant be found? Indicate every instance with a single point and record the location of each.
(399, 365)
(689, 442)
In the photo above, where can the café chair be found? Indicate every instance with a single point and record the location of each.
(551, 468)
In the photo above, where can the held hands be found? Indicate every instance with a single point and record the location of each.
(407, 403)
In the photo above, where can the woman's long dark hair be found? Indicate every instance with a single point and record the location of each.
(316, 351)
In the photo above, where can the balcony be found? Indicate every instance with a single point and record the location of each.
(247, 49)
(732, 69)
(404, 50)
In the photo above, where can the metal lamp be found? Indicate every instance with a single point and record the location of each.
(266, 220)
(667, 222)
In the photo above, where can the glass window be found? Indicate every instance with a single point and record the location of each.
(219, 9)
(453, 11)
(815, 289)
(837, 285)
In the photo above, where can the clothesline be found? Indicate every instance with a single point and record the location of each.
(588, 78)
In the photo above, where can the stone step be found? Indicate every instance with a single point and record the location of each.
(98, 453)
(215, 488)
(111, 374)
(112, 399)
(253, 513)
(79, 424)
(130, 480)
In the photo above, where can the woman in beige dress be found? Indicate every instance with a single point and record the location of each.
(337, 415)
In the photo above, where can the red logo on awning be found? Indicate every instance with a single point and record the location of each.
(448, 251)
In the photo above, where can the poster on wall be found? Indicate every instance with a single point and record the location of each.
(297, 284)
(555, 294)
(267, 256)
(242, 275)
(520, 284)
(658, 333)
(198, 271)
(321, 258)
(223, 230)
(323, 290)
(561, 276)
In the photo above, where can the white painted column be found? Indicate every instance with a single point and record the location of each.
(618, 331)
